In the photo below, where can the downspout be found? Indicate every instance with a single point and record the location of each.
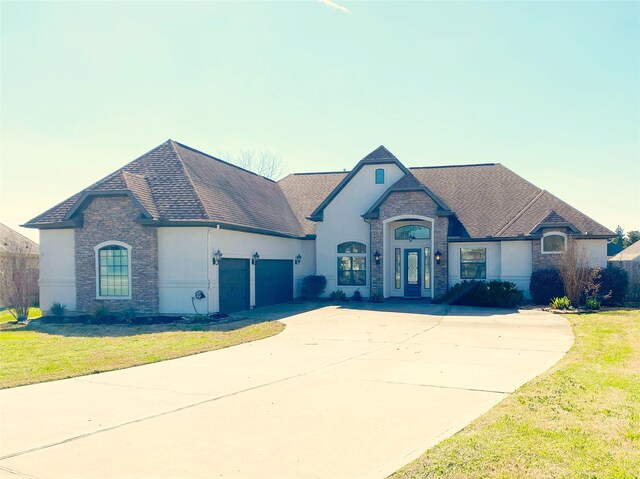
(371, 257)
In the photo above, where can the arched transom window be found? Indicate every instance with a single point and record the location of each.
(113, 270)
(553, 243)
(413, 232)
(352, 264)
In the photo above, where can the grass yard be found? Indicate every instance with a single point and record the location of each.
(44, 352)
(580, 420)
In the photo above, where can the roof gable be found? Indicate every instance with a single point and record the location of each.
(379, 156)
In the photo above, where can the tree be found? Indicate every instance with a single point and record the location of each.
(262, 162)
(632, 237)
(18, 276)
(619, 239)
(574, 268)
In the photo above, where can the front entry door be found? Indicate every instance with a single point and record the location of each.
(412, 284)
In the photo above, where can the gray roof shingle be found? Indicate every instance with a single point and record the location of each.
(10, 239)
(176, 183)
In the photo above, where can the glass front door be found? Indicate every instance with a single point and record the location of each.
(412, 273)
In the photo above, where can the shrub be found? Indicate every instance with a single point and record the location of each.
(313, 286)
(561, 303)
(338, 295)
(58, 310)
(546, 284)
(593, 303)
(377, 298)
(357, 296)
(102, 315)
(613, 282)
(497, 294)
(129, 315)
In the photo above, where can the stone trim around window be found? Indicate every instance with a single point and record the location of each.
(551, 234)
(96, 250)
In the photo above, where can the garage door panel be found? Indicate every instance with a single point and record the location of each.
(274, 281)
(234, 285)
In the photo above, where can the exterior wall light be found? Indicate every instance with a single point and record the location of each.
(298, 259)
(376, 257)
(217, 256)
(255, 258)
(438, 257)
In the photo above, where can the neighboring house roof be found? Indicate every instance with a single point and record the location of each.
(10, 237)
(613, 248)
(630, 253)
(174, 184)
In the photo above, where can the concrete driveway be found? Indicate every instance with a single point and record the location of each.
(341, 393)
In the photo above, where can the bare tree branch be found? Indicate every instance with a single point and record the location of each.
(18, 276)
(576, 274)
(262, 162)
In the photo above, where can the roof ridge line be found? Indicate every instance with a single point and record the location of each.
(522, 211)
(453, 166)
(188, 176)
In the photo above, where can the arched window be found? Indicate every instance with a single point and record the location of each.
(380, 176)
(113, 271)
(352, 264)
(413, 232)
(554, 243)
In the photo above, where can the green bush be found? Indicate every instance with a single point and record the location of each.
(546, 284)
(593, 303)
(377, 298)
(338, 295)
(58, 310)
(497, 294)
(613, 285)
(313, 286)
(129, 315)
(560, 303)
(357, 296)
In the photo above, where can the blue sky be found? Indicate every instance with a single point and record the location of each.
(549, 89)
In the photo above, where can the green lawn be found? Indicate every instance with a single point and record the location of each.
(580, 420)
(6, 316)
(44, 352)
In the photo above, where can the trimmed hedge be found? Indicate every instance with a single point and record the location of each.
(497, 294)
(546, 284)
(313, 286)
(613, 283)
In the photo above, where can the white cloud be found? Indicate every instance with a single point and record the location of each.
(334, 5)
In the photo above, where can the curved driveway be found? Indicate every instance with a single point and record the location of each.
(341, 393)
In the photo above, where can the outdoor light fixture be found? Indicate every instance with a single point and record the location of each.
(438, 256)
(298, 259)
(255, 258)
(217, 256)
(376, 257)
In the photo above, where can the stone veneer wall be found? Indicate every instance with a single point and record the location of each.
(544, 261)
(113, 219)
(411, 203)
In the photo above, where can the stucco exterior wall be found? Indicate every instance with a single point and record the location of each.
(516, 264)
(57, 280)
(114, 219)
(343, 222)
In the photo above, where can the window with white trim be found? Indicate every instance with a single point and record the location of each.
(113, 275)
(554, 243)
(352, 264)
(473, 263)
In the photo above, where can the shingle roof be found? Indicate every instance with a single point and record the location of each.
(9, 239)
(305, 192)
(630, 253)
(491, 200)
(177, 183)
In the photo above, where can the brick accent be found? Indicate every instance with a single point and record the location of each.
(411, 203)
(544, 261)
(113, 219)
